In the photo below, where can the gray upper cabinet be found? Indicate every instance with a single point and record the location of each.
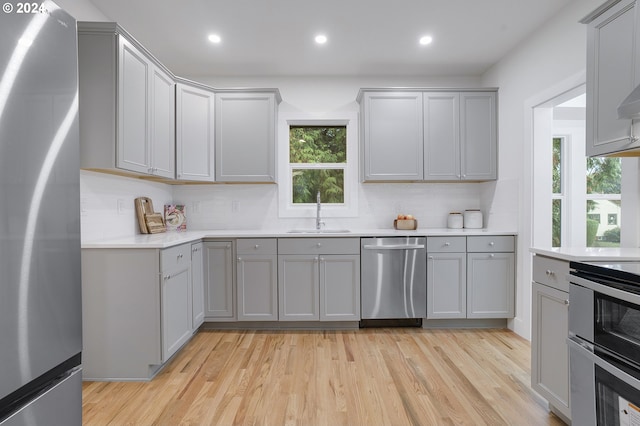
(127, 101)
(392, 129)
(245, 136)
(441, 136)
(613, 70)
(478, 136)
(195, 133)
(431, 135)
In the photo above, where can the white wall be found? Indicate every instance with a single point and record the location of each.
(550, 62)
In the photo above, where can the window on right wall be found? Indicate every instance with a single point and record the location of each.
(604, 177)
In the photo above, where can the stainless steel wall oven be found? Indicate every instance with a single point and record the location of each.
(604, 343)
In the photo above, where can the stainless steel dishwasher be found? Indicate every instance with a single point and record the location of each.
(393, 278)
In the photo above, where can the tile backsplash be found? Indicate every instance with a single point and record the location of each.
(108, 210)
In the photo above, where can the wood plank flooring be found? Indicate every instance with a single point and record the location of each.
(381, 376)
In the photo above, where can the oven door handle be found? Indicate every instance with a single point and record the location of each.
(604, 289)
(610, 368)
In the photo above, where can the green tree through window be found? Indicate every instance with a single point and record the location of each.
(317, 156)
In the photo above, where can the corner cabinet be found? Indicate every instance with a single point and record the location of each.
(319, 279)
(613, 71)
(549, 332)
(197, 285)
(245, 136)
(195, 133)
(429, 135)
(137, 310)
(127, 101)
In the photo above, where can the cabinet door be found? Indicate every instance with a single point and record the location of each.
(218, 267)
(245, 137)
(257, 282)
(176, 313)
(549, 352)
(298, 288)
(478, 137)
(194, 133)
(393, 145)
(133, 119)
(490, 285)
(611, 76)
(162, 129)
(441, 136)
(197, 285)
(339, 288)
(446, 285)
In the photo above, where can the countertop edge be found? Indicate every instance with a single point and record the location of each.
(590, 254)
(174, 238)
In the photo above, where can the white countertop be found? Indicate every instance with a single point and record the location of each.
(173, 238)
(590, 254)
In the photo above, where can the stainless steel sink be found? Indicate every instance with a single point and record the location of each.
(319, 231)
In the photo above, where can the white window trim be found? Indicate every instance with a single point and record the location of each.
(285, 206)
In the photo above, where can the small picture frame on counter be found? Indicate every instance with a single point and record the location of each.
(175, 217)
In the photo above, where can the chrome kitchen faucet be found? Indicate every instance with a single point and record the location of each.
(319, 223)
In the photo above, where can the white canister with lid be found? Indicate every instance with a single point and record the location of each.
(473, 218)
(454, 220)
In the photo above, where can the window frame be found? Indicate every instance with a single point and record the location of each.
(286, 207)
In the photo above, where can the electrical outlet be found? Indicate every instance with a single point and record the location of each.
(195, 207)
(120, 205)
(235, 206)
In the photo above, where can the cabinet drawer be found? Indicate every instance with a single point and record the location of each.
(328, 245)
(504, 243)
(175, 257)
(257, 246)
(446, 244)
(551, 272)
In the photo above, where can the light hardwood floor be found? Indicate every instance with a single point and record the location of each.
(383, 376)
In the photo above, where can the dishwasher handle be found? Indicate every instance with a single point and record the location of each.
(394, 247)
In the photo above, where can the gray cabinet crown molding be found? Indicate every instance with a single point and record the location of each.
(363, 90)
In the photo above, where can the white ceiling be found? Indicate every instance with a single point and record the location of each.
(366, 37)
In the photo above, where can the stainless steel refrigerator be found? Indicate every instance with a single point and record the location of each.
(40, 299)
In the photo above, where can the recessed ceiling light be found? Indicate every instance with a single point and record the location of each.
(424, 40)
(214, 38)
(321, 39)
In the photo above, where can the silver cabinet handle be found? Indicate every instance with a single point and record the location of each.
(566, 302)
(447, 244)
(430, 257)
(550, 273)
(239, 259)
(492, 255)
(492, 244)
(257, 246)
(319, 245)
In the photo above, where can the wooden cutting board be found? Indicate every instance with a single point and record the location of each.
(149, 221)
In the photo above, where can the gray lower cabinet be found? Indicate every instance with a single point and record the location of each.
(446, 277)
(319, 279)
(257, 279)
(136, 310)
(219, 291)
(549, 332)
(470, 277)
(491, 277)
(197, 285)
(175, 264)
